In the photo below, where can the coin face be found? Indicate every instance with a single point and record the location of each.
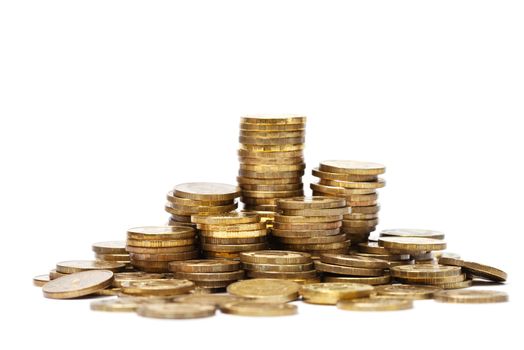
(176, 310)
(411, 232)
(471, 296)
(72, 266)
(266, 289)
(375, 304)
(250, 308)
(78, 284)
(412, 244)
(352, 167)
(206, 191)
(404, 291)
(275, 257)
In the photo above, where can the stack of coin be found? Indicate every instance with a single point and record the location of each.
(357, 182)
(112, 251)
(65, 268)
(208, 273)
(296, 266)
(445, 277)
(419, 258)
(371, 249)
(200, 198)
(310, 224)
(227, 235)
(353, 269)
(271, 160)
(151, 248)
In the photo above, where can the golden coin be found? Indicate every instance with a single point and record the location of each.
(176, 310)
(375, 304)
(412, 244)
(410, 232)
(275, 257)
(306, 219)
(304, 234)
(157, 243)
(53, 274)
(434, 280)
(424, 270)
(162, 257)
(73, 266)
(216, 300)
(352, 167)
(232, 228)
(480, 270)
(269, 155)
(325, 175)
(318, 202)
(160, 250)
(164, 287)
(114, 305)
(307, 226)
(282, 274)
(278, 267)
(456, 285)
(272, 194)
(179, 219)
(179, 210)
(78, 284)
(272, 127)
(354, 194)
(256, 202)
(247, 140)
(123, 258)
(221, 255)
(204, 265)
(110, 247)
(404, 291)
(273, 188)
(206, 191)
(40, 280)
(233, 240)
(226, 219)
(272, 148)
(316, 212)
(353, 185)
(296, 161)
(272, 134)
(316, 247)
(257, 308)
(273, 168)
(471, 296)
(217, 286)
(265, 289)
(366, 210)
(371, 280)
(358, 216)
(160, 232)
(296, 175)
(234, 234)
(210, 276)
(359, 223)
(242, 180)
(279, 119)
(347, 270)
(134, 276)
(331, 293)
(312, 240)
(263, 210)
(233, 248)
(354, 261)
(372, 247)
(187, 202)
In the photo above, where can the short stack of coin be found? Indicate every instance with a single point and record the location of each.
(200, 198)
(112, 251)
(310, 224)
(213, 274)
(353, 269)
(296, 266)
(271, 160)
(371, 249)
(357, 182)
(151, 248)
(418, 257)
(65, 268)
(227, 235)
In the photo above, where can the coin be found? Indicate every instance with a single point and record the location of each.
(284, 119)
(272, 175)
(84, 265)
(410, 232)
(484, 271)
(371, 280)
(317, 212)
(352, 167)
(162, 257)
(251, 308)
(347, 270)
(471, 296)
(373, 209)
(114, 305)
(315, 202)
(175, 209)
(78, 284)
(424, 270)
(196, 202)
(232, 240)
(160, 250)
(456, 285)
(359, 223)
(176, 310)
(210, 276)
(160, 233)
(158, 243)
(304, 234)
(233, 234)
(354, 184)
(206, 191)
(164, 287)
(275, 257)
(375, 304)
(331, 293)
(110, 247)
(434, 280)
(216, 300)
(273, 188)
(40, 280)
(319, 247)
(354, 261)
(306, 219)
(282, 274)
(269, 290)
(271, 194)
(134, 276)
(412, 243)
(204, 265)
(272, 148)
(231, 248)
(325, 175)
(353, 194)
(312, 240)
(226, 219)
(403, 291)
(278, 267)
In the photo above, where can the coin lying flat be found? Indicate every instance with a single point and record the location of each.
(176, 310)
(315, 202)
(72, 266)
(110, 247)
(347, 270)
(275, 257)
(404, 291)
(411, 232)
(265, 289)
(160, 232)
(352, 167)
(373, 280)
(206, 191)
(480, 270)
(78, 284)
(331, 293)
(424, 270)
(157, 287)
(208, 299)
(251, 308)
(412, 244)
(375, 304)
(40, 280)
(278, 119)
(204, 265)
(471, 296)
(326, 175)
(354, 261)
(226, 219)
(115, 305)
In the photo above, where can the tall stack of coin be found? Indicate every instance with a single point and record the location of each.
(200, 198)
(296, 266)
(227, 235)
(271, 160)
(151, 248)
(310, 224)
(209, 273)
(357, 182)
(112, 251)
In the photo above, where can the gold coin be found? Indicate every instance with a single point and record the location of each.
(187, 202)
(410, 232)
(347, 270)
(273, 188)
(160, 250)
(275, 257)
(471, 296)
(317, 202)
(272, 134)
(257, 308)
(312, 240)
(352, 167)
(53, 274)
(234, 248)
(211, 276)
(306, 219)
(331, 293)
(353, 185)
(234, 234)
(307, 226)
(371, 280)
(316, 247)
(359, 223)
(161, 257)
(375, 304)
(480, 270)
(354, 261)
(157, 243)
(226, 219)
(160, 232)
(113, 257)
(304, 234)
(316, 212)
(296, 175)
(366, 210)
(233, 240)
(272, 127)
(40, 280)
(278, 267)
(372, 247)
(273, 168)
(204, 265)
(206, 191)
(247, 140)
(424, 270)
(412, 244)
(221, 255)
(114, 305)
(358, 216)
(272, 194)
(242, 180)
(271, 161)
(175, 209)
(134, 276)
(163, 287)
(265, 289)
(456, 285)
(233, 227)
(282, 274)
(216, 300)
(73, 266)
(272, 148)
(110, 247)
(78, 284)
(180, 220)
(434, 280)
(270, 155)
(353, 194)
(325, 175)
(176, 310)
(279, 119)
(404, 291)
(257, 202)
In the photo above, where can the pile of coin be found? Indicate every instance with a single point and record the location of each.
(271, 160)
(200, 198)
(295, 266)
(112, 251)
(357, 182)
(151, 248)
(310, 224)
(353, 269)
(208, 273)
(225, 236)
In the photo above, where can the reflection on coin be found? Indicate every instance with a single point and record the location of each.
(257, 308)
(78, 284)
(375, 304)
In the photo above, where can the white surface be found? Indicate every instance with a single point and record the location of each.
(106, 105)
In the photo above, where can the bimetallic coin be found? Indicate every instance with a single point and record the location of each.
(252, 308)
(471, 296)
(352, 167)
(403, 291)
(264, 289)
(206, 191)
(73, 266)
(375, 304)
(410, 232)
(331, 293)
(78, 284)
(176, 310)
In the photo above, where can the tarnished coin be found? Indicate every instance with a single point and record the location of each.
(404, 291)
(265, 289)
(110, 247)
(375, 304)
(78, 284)
(40, 280)
(206, 191)
(331, 293)
(424, 270)
(257, 308)
(371, 280)
(208, 299)
(354, 261)
(480, 270)
(275, 257)
(157, 287)
(226, 219)
(471, 296)
(204, 265)
(114, 305)
(315, 202)
(412, 244)
(176, 310)
(73, 266)
(411, 232)
(160, 233)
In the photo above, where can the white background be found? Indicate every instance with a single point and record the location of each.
(106, 105)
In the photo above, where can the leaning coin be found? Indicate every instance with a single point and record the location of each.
(78, 284)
